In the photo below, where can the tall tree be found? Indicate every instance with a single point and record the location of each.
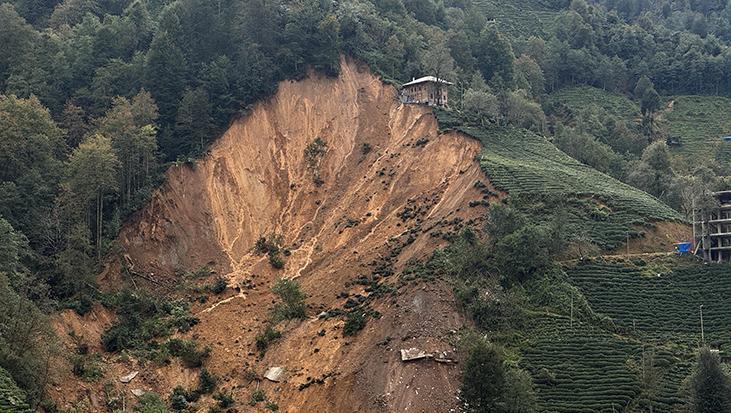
(483, 379)
(17, 38)
(494, 56)
(645, 92)
(73, 121)
(31, 147)
(93, 170)
(710, 385)
(193, 125)
(165, 74)
(133, 139)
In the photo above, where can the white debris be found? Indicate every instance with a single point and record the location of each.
(414, 354)
(128, 378)
(138, 392)
(274, 374)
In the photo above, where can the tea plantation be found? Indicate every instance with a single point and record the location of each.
(700, 122)
(579, 369)
(580, 97)
(652, 307)
(520, 18)
(528, 166)
(12, 399)
(661, 306)
(586, 369)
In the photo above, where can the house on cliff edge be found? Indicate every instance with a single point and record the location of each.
(427, 90)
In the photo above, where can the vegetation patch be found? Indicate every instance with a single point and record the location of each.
(699, 122)
(314, 151)
(272, 246)
(542, 179)
(142, 320)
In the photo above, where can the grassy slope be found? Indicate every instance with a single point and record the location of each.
(520, 18)
(579, 97)
(527, 165)
(700, 121)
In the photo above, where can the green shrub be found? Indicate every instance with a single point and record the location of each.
(275, 259)
(354, 322)
(292, 304)
(219, 286)
(150, 402)
(87, 367)
(266, 337)
(200, 272)
(256, 397)
(206, 381)
(272, 406)
(142, 318)
(188, 352)
(224, 400)
(179, 399)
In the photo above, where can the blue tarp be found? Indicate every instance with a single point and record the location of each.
(683, 247)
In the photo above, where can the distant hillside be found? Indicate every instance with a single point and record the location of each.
(520, 17)
(580, 97)
(700, 122)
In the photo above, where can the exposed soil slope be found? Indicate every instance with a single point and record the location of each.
(385, 189)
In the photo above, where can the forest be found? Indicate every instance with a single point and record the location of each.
(99, 97)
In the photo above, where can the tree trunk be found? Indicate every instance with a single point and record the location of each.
(100, 204)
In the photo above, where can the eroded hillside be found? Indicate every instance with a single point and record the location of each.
(355, 184)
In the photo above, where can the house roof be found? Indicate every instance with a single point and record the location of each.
(426, 79)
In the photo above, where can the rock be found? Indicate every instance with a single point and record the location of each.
(414, 354)
(274, 374)
(128, 378)
(138, 392)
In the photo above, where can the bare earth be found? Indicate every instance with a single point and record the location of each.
(397, 198)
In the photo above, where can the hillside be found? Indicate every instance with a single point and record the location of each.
(700, 122)
(582, 97)
(520, 18)
(223, 206)
(643, 306)
(530, 168)
(385, 189)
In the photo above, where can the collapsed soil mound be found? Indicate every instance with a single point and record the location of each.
(354, 184)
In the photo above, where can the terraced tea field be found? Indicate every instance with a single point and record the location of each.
(520, 18)
(591, 368)
(584, 369)
(527, 165)
(12, 399)
(700, 122)
(661, 307)
(577, 98)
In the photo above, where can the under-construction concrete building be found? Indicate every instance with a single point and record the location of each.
(712, 230)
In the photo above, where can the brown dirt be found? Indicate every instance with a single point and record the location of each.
(661, 237)
(412, 186)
